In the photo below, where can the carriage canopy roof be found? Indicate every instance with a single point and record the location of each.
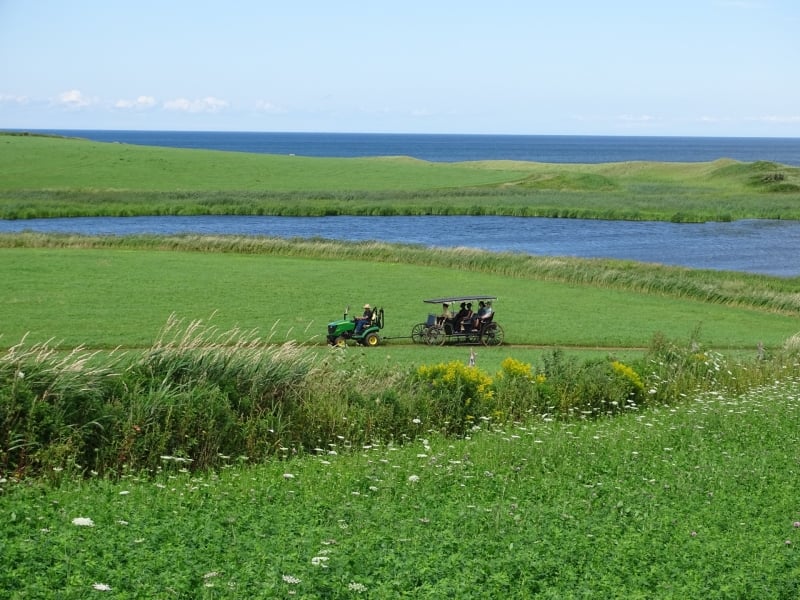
(452, 299)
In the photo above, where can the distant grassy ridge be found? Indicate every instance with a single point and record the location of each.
(58, 177)
(761, 292)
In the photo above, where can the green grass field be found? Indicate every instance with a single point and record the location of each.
(107, 297)
(584, 479)
(46, 177)
(697, 500)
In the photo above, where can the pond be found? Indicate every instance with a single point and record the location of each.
(756, 246)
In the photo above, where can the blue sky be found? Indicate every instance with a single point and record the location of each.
(643, 67)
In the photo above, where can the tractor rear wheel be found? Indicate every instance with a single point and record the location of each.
(372, 339)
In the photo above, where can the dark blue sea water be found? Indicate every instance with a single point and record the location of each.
(455, 148)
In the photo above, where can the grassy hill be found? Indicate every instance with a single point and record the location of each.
(53, 176)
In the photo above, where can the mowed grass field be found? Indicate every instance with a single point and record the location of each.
(104, 298)
(50, 176)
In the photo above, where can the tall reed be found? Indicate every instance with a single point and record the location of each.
(200, 398)
(762, 292)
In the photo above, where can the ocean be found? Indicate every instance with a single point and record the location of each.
(457, 148)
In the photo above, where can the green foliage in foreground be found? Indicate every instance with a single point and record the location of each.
(201, 395)
(693, 500)
(52, 177)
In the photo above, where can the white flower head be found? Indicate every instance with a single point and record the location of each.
(413, 478)
(101, 587)
(83, 522)
(288, 476)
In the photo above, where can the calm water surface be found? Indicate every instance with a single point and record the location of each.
(464, 147)
(757, 246)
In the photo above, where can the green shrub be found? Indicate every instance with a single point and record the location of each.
(199, 398)
(457, 394)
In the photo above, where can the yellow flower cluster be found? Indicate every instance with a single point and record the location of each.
(475, 383)
(513, 368)
(628, 373)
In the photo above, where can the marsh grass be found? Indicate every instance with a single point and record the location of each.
(777, 295)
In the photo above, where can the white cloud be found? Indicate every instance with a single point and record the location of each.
(11, 99)
(208, 104)
(637, 118)
(268, 107)
(74, 99)
(781, 119)
(142, 102)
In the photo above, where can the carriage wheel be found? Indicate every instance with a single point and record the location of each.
(435, 336)
(492, 335)
(418, 333)
(473, 337)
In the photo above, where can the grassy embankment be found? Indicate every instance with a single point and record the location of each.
(49, 177)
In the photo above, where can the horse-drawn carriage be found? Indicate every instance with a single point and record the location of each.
(465, 327)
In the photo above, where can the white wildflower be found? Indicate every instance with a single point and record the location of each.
(288, 476)
(291, 579)
(102, 587)
(319, 561)
(413, 478)
(354, 586)
(83, 522)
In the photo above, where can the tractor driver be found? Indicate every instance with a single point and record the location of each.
(364, 319)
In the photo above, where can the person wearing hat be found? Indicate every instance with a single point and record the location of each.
(484, 314)
(364, 319)
(446, 314)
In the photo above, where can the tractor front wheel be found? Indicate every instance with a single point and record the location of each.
(340, 342)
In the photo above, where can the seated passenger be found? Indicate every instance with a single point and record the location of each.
(483, 315)
(461, 313)
(446, 314)
(465, 322)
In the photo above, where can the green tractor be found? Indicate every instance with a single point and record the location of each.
(364, 329)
